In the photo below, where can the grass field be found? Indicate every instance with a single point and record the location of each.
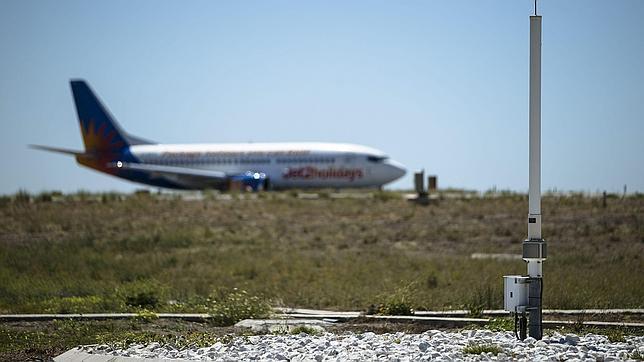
(95, 253)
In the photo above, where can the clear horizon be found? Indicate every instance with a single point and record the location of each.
(440, 86)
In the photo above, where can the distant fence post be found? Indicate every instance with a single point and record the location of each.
(604, 199)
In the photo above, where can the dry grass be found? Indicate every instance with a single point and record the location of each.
(325, 253)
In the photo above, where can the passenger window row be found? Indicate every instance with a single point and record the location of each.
(219, 161)
(306, 160)
(232, 161)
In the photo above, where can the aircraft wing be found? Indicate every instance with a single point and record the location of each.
(188, 177)
(170, 170)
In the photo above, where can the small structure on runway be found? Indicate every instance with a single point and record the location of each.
(424, 196)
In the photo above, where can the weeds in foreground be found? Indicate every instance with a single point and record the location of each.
(615, 335)
(500, 324)
(146, 316)
(578, 325)
(306, 330)
(58, 337)
(397, 303)
(482, 298)
(229, 307)
(53, 338)
(474, 348)
(636, 356)
(183, 341)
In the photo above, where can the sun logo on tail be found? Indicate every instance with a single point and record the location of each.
(100, 138)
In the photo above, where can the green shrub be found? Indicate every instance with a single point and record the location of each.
(142, 294)
(615, 335)
(227, 308)
(397, 303)
(194, 304)
(480, 299)
(146, 316)
(500, 324)
(306, 330)
(44, 197)
(474, 309)
(22, 196)
(475, 348)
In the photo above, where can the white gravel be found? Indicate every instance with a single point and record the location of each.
(431, 345)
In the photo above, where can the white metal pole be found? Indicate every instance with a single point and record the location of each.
(534, 248)
(535, 265)
(534, 226)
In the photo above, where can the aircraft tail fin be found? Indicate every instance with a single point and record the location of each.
(99, 128)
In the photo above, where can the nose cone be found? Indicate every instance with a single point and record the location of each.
(395, 170)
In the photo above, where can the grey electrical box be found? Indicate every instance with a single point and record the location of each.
(535, 249)
(515, 293)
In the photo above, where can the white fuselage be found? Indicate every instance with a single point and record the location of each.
(286, 165)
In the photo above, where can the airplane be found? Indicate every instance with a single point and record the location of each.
(247, 166)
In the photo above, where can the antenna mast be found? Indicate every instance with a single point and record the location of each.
(523, 293)
(535, 7)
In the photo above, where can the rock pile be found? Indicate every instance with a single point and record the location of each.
(430, 345)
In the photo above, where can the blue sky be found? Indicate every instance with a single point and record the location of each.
(439, 85)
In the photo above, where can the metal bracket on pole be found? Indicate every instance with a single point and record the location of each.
(535, 293)
(535, 253)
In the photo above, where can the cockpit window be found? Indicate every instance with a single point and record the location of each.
(376, 159)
